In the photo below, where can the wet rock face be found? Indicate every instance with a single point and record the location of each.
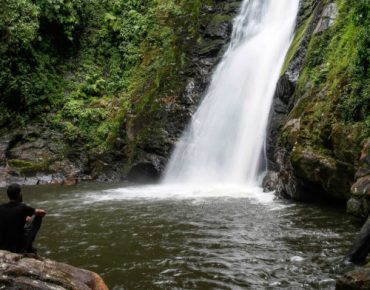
(21, 272)
(310, 151)
(283, 101)
(278, 157)
(33, 155)
(153, 132)
(143, 172)
(36, 155)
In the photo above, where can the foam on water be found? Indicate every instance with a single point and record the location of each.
(219, 155)
(180, 192)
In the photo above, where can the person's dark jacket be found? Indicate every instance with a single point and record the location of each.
(12, 220)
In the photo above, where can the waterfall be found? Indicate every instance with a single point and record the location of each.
(224, 142)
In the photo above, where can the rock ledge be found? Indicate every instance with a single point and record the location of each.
(19, 271)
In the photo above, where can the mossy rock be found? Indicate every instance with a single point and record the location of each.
(27, 167)
(219, 26)
(313, 165)
(345, 140)
(358, 207)
(210, 47)
(297, 40)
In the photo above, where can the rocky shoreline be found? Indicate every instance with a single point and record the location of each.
(31, 272)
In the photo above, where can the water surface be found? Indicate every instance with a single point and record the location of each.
(147, 238)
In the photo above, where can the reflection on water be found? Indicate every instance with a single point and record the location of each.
(222, 238)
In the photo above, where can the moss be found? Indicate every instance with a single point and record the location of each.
(329, 81)
(27, 167)
(331, 101)
(337, 62)
(358, 207)
(297, 40)
(93, 65)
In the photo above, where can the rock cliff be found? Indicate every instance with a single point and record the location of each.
(153, 130)
(316, 132)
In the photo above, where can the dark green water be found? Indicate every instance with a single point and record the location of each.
(148, 238)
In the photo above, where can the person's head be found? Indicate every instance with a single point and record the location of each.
(14, 192)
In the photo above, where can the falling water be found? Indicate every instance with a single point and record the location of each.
(224, 141)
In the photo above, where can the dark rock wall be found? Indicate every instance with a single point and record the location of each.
(35, 155)
(313, 151)
(152, 132)
(281, 176)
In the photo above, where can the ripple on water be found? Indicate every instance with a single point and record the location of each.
(230, 241)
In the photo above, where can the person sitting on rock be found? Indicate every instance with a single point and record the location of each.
(19, 223)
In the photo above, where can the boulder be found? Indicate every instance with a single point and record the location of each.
(30, 155)
(19, 271)
(318, 168)
(355, 280)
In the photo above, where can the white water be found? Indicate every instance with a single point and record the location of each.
(149, 193)
(224, 142)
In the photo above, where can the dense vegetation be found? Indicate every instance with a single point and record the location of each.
(91, 71)
(339, 60)
(79, 66)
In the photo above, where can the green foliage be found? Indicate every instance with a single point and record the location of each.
(28, 167)
(338, 62)
(298, 37)
(18, 24)
(62, 14)
(332, 96)
(357, 105)
(28, 75)
(79, 66)
(58, 56)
